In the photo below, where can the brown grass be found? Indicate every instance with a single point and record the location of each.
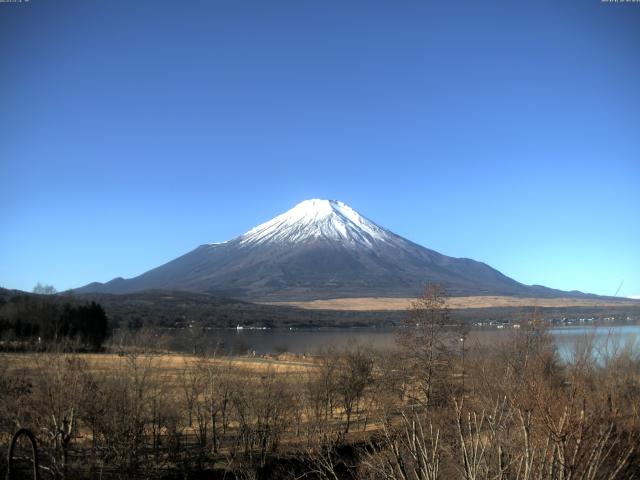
(386, 303)
(170, 364)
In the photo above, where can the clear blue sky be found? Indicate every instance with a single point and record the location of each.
(507, 132)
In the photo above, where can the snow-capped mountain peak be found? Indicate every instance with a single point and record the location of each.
(317, 250)
(318, 219)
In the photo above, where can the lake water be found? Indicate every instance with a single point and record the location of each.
(605, 339)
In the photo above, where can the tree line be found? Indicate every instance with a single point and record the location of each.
(28, 320)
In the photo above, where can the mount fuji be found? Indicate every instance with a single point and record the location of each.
(320, 249)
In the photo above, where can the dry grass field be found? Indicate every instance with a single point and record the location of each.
(391, 304)
(168, 365)
(343, 415)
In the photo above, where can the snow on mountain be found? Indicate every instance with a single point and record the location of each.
(318, 219)
(319, 249)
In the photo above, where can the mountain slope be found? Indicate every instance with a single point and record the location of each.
(320, 249)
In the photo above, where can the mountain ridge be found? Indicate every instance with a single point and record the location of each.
(320, 249)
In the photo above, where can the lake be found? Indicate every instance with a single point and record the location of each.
(606, 339)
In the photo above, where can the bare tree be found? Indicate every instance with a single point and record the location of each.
(191, 383)
(426, 343)
(354, 375)
(406, 449)
(212, 408)
(44, 289)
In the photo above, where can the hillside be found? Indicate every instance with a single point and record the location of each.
(321, 249)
